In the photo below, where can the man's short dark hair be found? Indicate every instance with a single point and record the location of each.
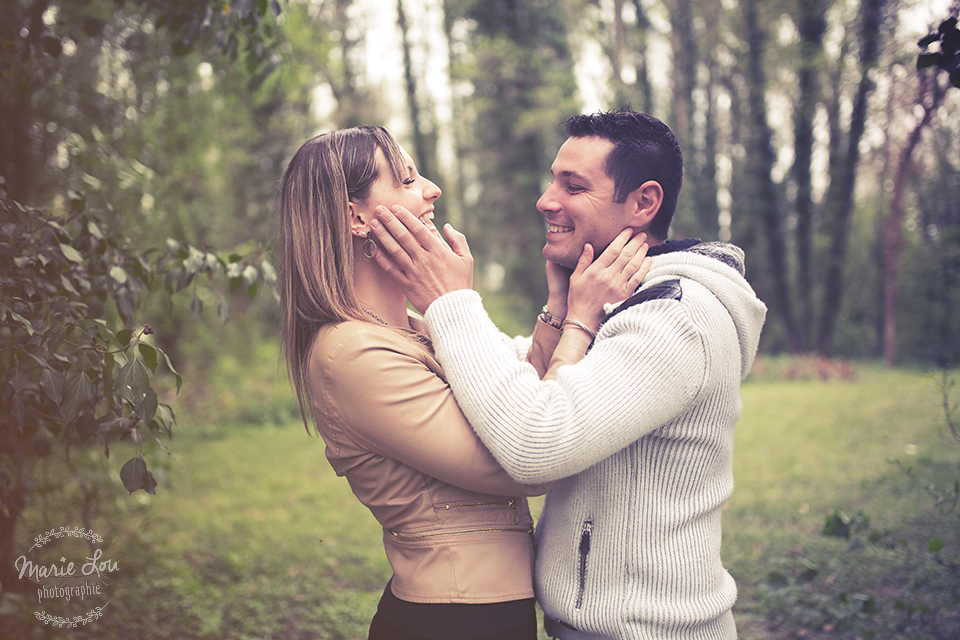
(644, 149)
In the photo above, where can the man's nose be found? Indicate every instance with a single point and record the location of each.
(547, 202)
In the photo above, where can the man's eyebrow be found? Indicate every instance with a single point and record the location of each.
(570, 174)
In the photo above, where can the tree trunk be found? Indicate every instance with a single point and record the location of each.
(813, 25)
(892, 236)
(871, 14)
(643, 76)
(420, 151)
(761, 158)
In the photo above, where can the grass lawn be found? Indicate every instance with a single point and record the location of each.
(252, 535)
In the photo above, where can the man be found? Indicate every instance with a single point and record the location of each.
(638, 434)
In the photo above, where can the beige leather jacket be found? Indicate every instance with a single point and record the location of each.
(456, 528)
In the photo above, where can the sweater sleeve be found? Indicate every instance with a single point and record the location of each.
(384, 397)
(647, 365)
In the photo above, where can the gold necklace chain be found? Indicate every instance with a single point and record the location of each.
(376, 317)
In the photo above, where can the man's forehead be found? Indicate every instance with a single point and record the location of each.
(582, 157)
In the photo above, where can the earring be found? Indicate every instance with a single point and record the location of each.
(369, 247)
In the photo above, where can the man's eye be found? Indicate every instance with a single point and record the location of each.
(572, 188)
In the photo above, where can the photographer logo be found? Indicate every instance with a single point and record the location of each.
(59, 581)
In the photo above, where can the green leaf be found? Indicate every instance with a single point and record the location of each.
(925, 60)
(196, 306)
(118, 274)
(70, 253)
(250, 275)
(147, 409)
(26, 323)
(76, 394)
(123, 336)
(837, 525)
(268, 271)
(133, 474)
(87, 426)
(149, 354)
(133, 381)
(194, 261)
(223, 309)
(66, 284)
(52, 383)
(935, 545)
(166, 359)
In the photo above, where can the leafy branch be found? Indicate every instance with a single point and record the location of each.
(75, 364)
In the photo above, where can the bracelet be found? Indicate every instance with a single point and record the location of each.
(548, 318)
(579, 325)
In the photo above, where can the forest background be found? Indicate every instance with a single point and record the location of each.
(141, 143)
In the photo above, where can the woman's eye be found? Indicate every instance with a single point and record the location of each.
(409, 181)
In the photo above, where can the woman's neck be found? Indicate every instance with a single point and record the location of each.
(378, 294)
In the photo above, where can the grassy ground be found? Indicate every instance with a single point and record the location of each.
(251, 535)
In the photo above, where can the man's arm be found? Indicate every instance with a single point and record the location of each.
(646, 369)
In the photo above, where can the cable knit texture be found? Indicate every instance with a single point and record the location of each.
(638, 436)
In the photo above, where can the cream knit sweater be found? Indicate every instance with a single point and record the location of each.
(639, 439)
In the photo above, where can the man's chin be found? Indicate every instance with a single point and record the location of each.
(560, 258)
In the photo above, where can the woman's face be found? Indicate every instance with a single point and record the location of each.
(414, 193)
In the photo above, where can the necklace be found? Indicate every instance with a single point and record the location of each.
(376, 317)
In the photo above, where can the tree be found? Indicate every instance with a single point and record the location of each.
(764, 203)
(812, 24)
(521, 73)
(930, 94)
(76, 367)
(844, 174)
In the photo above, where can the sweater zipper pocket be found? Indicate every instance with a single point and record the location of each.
(586, 532)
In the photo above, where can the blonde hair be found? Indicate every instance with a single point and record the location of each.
(314, 244)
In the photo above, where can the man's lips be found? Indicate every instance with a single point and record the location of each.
(555, 228)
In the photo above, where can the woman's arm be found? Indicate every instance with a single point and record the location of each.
(377, 389)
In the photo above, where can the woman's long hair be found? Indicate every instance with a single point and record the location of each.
(314, 243)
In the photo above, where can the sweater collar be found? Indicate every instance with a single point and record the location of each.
(673, 245)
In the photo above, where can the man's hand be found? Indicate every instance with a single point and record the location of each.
(612, 277)
(418, 260)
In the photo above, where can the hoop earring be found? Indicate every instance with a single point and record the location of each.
(369, 248)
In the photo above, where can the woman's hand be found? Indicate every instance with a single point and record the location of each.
(558, 284)
(417, 258)
(612, 277)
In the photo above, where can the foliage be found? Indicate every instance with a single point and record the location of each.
(947, 57)
(76, 364)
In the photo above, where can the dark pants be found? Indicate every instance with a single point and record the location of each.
(400, 620)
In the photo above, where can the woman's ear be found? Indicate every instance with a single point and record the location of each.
(647, 199)
(358, 221)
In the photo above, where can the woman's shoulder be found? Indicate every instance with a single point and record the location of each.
(349, 341)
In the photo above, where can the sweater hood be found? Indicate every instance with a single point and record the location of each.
(720, 268)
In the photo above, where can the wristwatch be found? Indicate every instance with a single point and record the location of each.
(549, 318)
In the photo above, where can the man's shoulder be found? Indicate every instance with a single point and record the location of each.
(665, 290)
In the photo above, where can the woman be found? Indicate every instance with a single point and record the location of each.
(456, 528)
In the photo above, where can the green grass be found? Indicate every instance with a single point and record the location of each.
(252, 535)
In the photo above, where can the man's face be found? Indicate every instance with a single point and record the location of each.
(578, 204)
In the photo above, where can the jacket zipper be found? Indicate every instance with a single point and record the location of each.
(400, 536)
(585, 534)
(510, 503)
